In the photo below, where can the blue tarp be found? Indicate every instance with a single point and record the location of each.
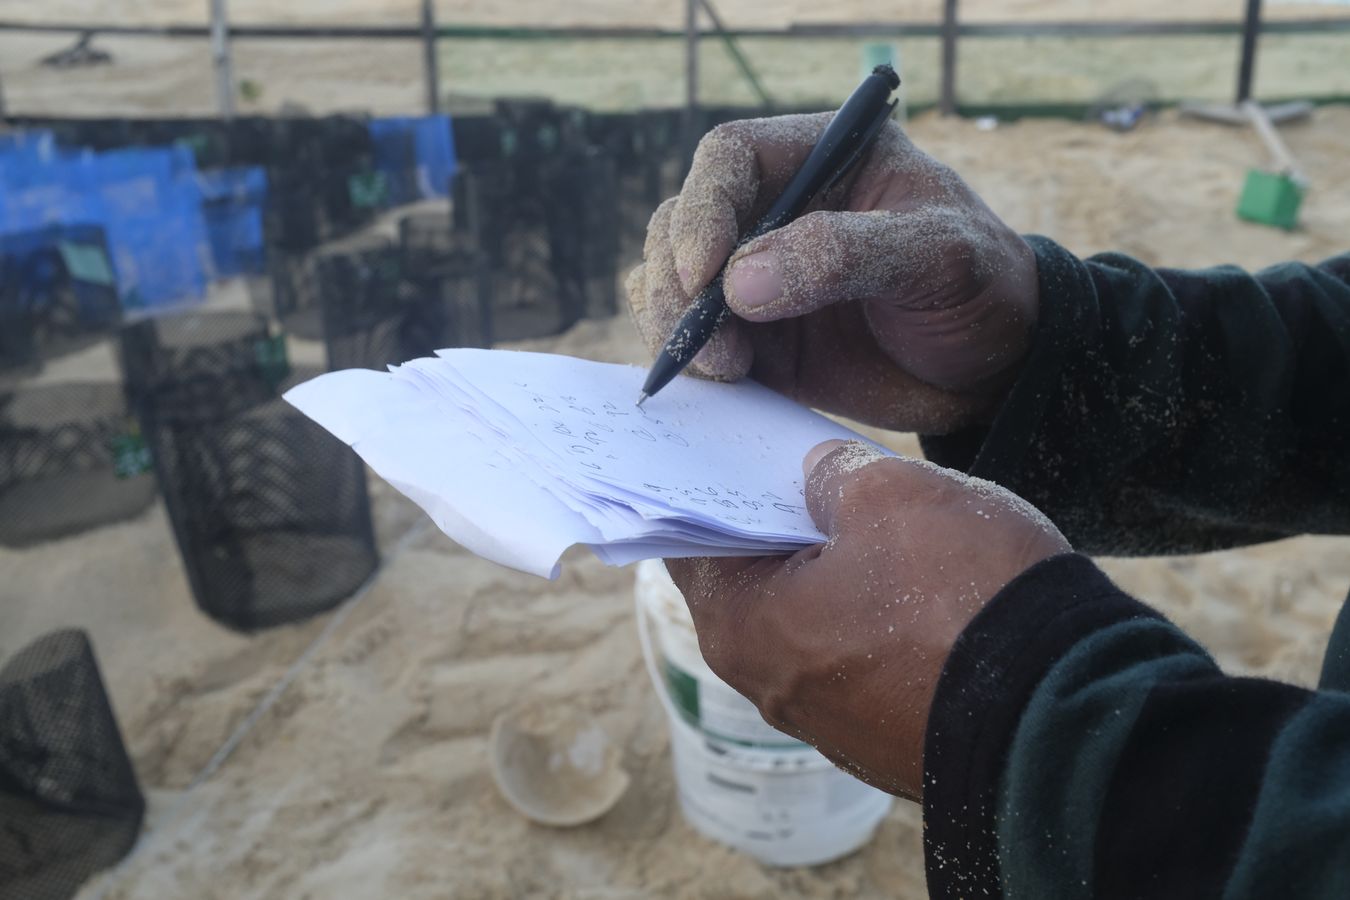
(147, 201)
(233, 202)
(416, 156)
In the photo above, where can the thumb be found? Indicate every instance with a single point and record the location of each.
(828, 256)
(832, 476)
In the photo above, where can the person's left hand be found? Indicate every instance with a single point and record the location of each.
(842, 643)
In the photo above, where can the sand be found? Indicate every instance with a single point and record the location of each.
(368, 777)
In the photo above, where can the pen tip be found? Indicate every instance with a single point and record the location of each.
(642, 398)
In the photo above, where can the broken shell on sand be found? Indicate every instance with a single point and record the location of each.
(556, 766)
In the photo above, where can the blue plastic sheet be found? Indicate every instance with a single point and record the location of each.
(232, 203)
(147, 201)
(416, 155)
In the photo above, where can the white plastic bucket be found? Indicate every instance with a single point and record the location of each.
(739, 780)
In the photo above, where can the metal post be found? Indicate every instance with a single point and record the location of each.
(947, 98)
(429, 61)
(690, 136)
(1251, 29)
(220, 56)
(2, 98)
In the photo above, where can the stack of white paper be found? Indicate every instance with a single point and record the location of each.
(519, 456)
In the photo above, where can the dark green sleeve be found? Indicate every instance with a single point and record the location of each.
(1081, 746)
(1168, 411)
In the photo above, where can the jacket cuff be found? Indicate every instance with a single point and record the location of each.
(990, 675)
(994, 452)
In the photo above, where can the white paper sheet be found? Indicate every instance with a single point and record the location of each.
(518, 456)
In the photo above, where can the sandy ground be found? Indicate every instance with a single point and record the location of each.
(369, 778)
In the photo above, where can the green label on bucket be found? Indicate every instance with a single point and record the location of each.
(683, 690)
(736, 724)
(130, 455)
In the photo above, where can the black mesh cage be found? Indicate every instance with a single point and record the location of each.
(582, 208)
(270, 511)
(175, 366)
(58, 292)
(371, 316)
(507, 213)
(69, 801)
(290, 293)
(442, 265)
(71, 458)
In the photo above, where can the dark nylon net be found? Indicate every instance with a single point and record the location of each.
(372, 316)
(69, 801)
(58, 293)
(441, 261)
(270, 511)
(71, 458)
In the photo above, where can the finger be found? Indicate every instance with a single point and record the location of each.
(727, 356)
(652, 299)
(658, 228)
(634, 287)
(735, 167)
(832, 470)
(913, 258)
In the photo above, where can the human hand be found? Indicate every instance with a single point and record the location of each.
(902, 301)
(842, 643)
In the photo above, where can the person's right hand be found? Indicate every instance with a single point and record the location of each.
(902, 301)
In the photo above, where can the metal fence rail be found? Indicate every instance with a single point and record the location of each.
(950, 31)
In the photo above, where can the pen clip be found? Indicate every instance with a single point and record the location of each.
(872, 130)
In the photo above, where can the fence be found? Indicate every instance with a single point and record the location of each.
(961, 66)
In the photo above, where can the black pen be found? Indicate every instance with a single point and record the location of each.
(842, 144)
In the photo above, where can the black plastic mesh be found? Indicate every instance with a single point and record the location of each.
(57, 293)
(270, 511)
(508, 215)
(176, 367)
(442, 261)
(69, 801)
(582, 207)
(288, 292)
(371, 316)
(71, 458)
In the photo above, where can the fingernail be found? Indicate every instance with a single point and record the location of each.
(817, 453)
(756, 279)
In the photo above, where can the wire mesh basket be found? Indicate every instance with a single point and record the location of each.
(175, 366)
(443, 265)
(270, 512)
(582, 208)
(507, 213)
(288, 292)
(371, 316)
(69, 801)
(58, 292)
(71, 458)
